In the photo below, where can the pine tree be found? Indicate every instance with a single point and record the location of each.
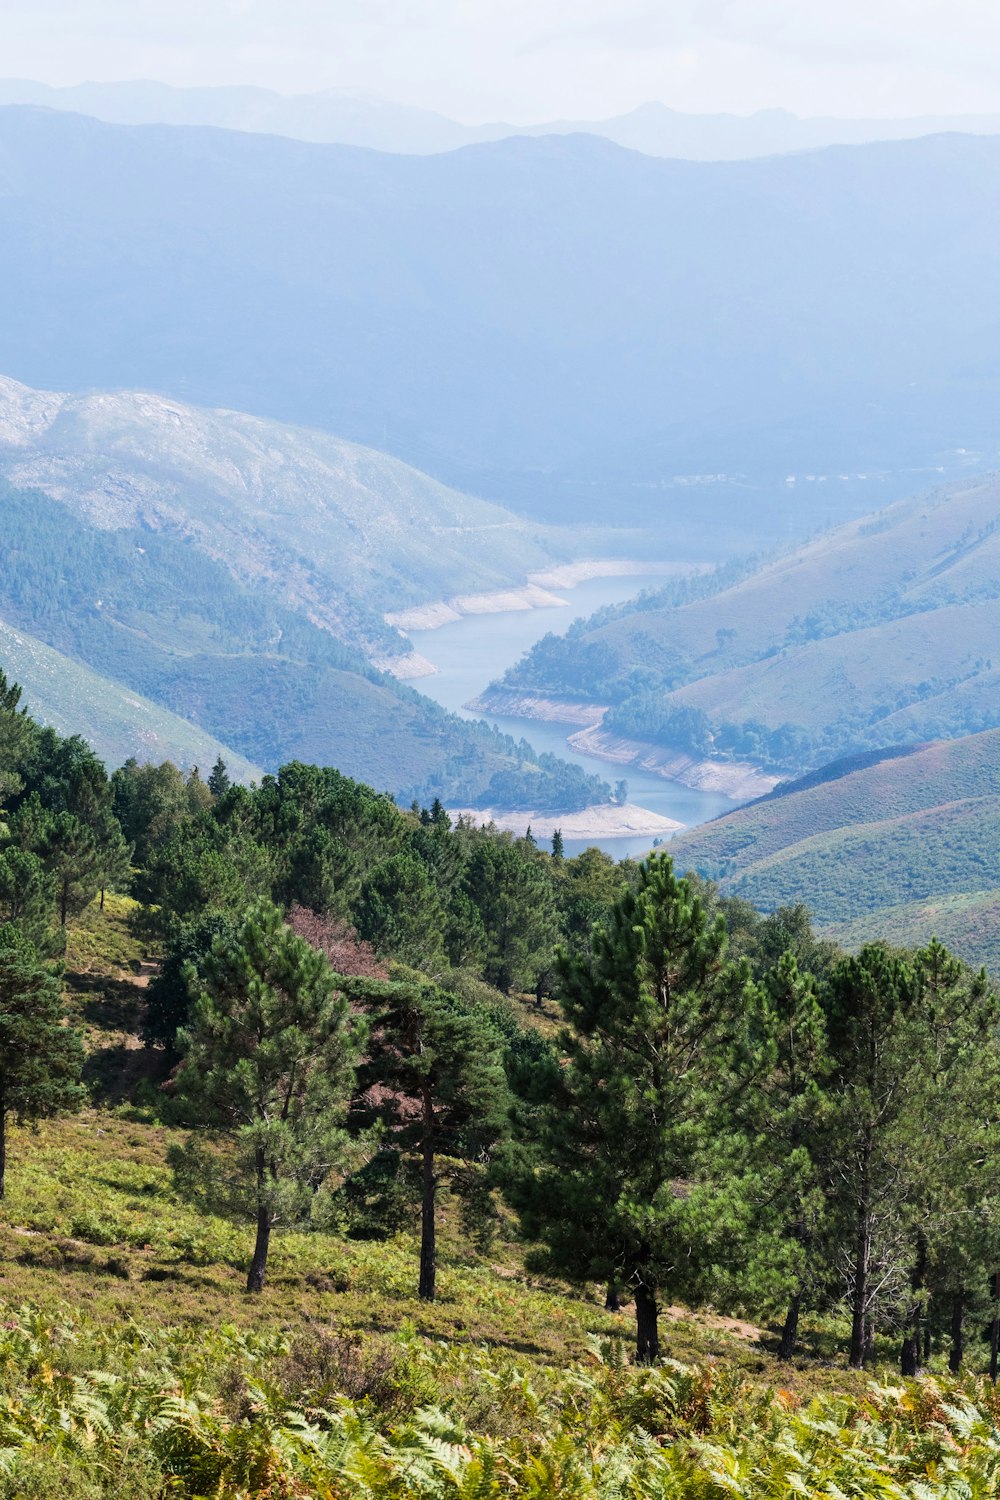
(434, 1078)
(40, 1056)
(792, 1122)
(269, 1058)
(218, 780)
(870, 1001)
(657, 1017)
(515, 898)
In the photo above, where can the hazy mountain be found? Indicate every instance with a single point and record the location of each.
(559, 324)
(353, 117)
(902, 846)
(162, 563)
(881, 632)
(339, 532)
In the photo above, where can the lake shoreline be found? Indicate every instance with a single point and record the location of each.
(602, 821)
(740, 781)
(535, 593)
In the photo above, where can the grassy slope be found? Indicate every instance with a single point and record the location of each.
(115, 720)
(128, 1348)
(91, 1212)
(884, 848)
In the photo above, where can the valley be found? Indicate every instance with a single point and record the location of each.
(468, 653)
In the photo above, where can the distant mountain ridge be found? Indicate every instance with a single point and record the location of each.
(354, 117)
(566, 327)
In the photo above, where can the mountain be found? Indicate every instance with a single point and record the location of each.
(231, 573)
(880, 632)
(340, 533)
(569, 328)
(354, 117)
(900, 844)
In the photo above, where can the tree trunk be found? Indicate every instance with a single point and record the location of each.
(859, 1318)
(860, 1330)
(428, 1227)
(995, 1328)
(957, 1332)
(3, 1140)
(258, 1266)
(909, 1354)
(790, 1332)
(64, 902)
(102, 898)
(611, 1302)
(647, 1337)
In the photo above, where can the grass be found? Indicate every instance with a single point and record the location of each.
(133, 1364)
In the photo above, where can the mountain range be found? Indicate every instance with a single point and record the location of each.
(355, 117)
(566, 327)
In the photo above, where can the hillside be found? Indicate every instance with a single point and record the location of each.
(114, 720)
(157, 618)
(730, 324)
(338, 532)
(879, 632)
(354, 117)
(902, 845)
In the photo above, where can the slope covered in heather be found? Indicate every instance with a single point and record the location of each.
(902, 845)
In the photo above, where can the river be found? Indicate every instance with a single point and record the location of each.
(472, 652)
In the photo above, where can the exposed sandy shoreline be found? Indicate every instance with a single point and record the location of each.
(739, 780)
(545, 710)
(535, 594)
(445, 611)
(736, 779)
(603, 821)
(407, 667)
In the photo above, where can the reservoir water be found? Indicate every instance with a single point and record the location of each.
(472, 652)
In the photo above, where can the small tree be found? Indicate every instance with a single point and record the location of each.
(269, 1058)
(218, 780)
(435, 1079)
(41, 1057)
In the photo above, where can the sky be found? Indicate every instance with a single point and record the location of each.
(531, 60)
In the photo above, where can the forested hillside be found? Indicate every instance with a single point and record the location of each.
(360, 1134)
(731, 324)
(335, 532)
(880, 632)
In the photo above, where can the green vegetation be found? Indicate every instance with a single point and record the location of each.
(901, 842)
(875, 634)
(159, 617)
(604, 1073)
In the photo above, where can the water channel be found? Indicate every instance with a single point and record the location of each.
(472, 652)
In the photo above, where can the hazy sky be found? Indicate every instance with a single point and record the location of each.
(527, 60)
